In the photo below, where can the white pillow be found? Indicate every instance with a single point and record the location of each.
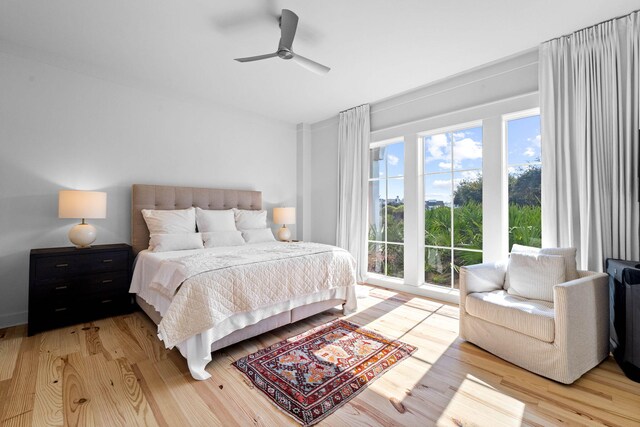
(170, 222)
(212, 220)
(258, 235)
(533, 276)
(175, 242)
(250, 220)
(222, 238)
(569, 254)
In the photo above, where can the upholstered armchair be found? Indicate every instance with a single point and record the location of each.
(559, 339)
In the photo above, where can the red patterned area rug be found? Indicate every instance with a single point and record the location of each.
(311, 375)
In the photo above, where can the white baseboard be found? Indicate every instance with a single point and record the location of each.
(434, 292)
(13, 319)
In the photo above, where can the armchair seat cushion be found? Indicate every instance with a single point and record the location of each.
(530, 317)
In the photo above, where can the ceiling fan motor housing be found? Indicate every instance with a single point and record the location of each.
(285, 53)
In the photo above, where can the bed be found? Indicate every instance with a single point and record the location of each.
(206, 299)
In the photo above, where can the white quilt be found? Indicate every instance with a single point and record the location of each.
(210, 287)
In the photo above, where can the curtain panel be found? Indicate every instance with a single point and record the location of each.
(354, 133)
(589, 102)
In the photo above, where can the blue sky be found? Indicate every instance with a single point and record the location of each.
(461, 149)
(524, 140)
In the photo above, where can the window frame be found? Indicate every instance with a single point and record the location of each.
(387, 177)
(522, 114)
(423, 174)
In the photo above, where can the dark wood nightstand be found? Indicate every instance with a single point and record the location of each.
(70, 285)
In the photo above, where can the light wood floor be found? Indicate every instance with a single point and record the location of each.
(116, 372)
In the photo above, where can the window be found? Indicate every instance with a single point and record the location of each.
(524, 179)
(450, 174)
(386, 208)
(452, 203)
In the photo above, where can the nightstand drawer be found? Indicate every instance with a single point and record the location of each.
(53, 268)
(108, 261)
(108, 306)
(55, 289)
(56, 312)
(105, 283)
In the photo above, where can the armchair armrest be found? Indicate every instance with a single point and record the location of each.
(484, 277)
(582, 317)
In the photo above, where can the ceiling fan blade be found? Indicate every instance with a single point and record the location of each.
(257, 58)
(310, 65)
(288, 26)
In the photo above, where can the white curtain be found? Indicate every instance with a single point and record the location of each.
(589, 95)
(353, 160)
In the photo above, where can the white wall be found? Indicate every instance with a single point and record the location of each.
(63, 130)
(324, 183)
(484, 93)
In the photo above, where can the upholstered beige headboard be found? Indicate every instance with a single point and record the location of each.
(169, 198)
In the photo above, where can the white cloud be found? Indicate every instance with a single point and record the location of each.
(393, 160)
(529, 152)
(436, 146)
(467, 149)
(446, 183)
(536, 140)
(442, 183)
(459, 135)
(471, 175)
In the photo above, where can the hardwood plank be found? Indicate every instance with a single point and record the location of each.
(48, 400)
(10, 340)
(164, 407)
(148, 340)
(18, 405)
(90, 341)
(237, 390)
(185, 394)
(116, 372)
(4, 388)
(78, 408)
(69, 339)
(111, 345)
(50, 343)
(127, 394)
(132, 348)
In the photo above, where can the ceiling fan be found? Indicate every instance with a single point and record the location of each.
(288, 26)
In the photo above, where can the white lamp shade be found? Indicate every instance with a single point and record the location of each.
(284, 215)
(82, 204)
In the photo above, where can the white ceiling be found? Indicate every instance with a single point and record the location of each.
(376, 48)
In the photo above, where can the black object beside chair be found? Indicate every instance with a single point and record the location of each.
(624, 301)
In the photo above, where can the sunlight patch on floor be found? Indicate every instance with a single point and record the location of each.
(482, 405)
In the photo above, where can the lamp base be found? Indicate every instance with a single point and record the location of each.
(82, 235)
(284, 234)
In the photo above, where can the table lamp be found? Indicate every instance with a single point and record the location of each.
(284, 216)
(82, 205)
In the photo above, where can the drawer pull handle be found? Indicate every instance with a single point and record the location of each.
(107, 301)
(61, 309)
(59, 288)
(107, 281)
(107, 261)
(62, 265)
